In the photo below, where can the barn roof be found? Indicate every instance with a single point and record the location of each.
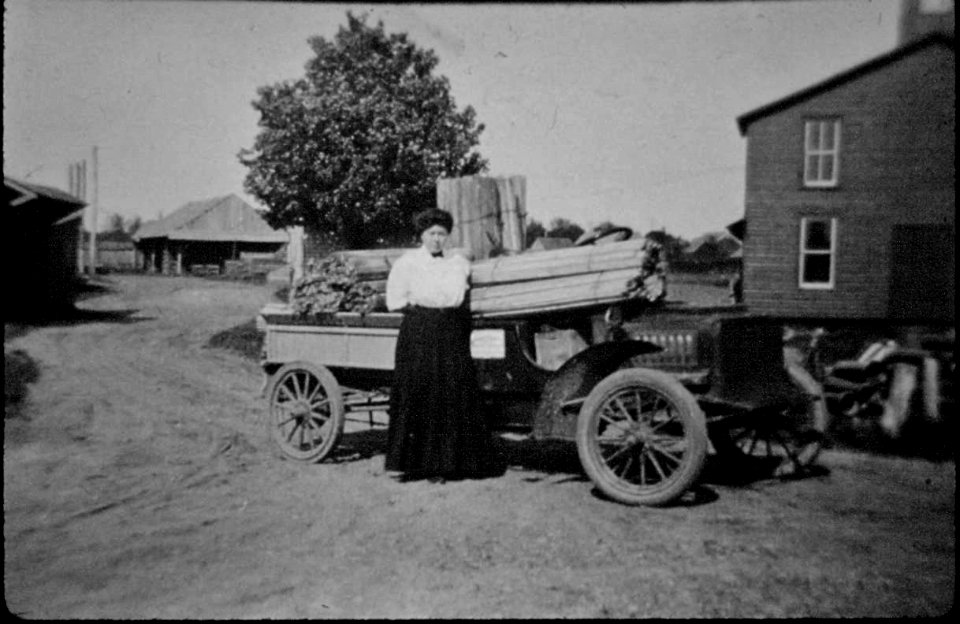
(226, 219)
(35, 203)
(877, 63)
(19, 192)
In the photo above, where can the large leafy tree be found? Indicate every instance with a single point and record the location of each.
(355, 148)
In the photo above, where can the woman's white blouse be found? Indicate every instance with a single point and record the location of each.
(420, 279)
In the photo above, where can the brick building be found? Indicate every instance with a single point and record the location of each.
(850, 192)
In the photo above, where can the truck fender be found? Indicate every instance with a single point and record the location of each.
(572, 382)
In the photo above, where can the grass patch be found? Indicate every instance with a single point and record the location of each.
(245, 339)
(19, 371)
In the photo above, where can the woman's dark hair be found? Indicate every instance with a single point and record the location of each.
(431, 217)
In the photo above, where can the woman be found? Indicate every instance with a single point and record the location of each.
(436, 429)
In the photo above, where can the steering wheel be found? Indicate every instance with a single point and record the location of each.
(591, 238)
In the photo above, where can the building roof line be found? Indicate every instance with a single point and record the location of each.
(878, 62)
(31, 191)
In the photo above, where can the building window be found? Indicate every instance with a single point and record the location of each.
(821, 152)
(818, 246)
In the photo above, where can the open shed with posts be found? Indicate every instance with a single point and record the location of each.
(204, 236)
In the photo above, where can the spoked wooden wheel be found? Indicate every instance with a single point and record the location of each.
(306, 411)
(792, 450)
(789, 440)
(641, 437)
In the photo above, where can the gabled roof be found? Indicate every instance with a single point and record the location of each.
(21, 192)
(738, 229)
(226, 218)
(872, 65)
(550, 242)
(713, 243)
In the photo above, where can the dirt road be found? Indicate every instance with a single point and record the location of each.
(145, 485)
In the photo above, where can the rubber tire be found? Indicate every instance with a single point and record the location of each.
(331, 390)
(689, 415)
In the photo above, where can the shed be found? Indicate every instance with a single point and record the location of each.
(42, 226)
(115, 251)
(204, 235)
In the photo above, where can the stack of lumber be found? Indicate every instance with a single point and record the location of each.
(542, 281)
(567, 278)
(488, 213)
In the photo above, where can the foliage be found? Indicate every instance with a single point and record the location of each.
(355, 147)
(133, 225)
(117, 223)
(650, 282)
(331, 285)
(564, 228)
(19, 371)
(673, 246)
(535, 230)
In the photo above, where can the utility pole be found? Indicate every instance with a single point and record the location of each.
(93, 216)
(76, 174)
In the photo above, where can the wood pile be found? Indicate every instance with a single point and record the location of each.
(488, 213)
(568, 278)
(530, 282)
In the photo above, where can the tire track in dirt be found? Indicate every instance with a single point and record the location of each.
(126, 431)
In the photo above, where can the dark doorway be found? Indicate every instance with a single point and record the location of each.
(922, 272)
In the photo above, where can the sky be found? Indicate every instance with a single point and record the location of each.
(612, 112)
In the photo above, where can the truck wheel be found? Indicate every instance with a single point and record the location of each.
(306, 411)
(791, 439)
(641, 437)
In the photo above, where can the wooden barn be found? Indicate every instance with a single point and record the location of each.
(203, 236)
(40, 249)
(850, 192)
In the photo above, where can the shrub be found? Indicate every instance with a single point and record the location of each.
(19, 370)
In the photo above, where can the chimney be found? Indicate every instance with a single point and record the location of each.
(919, 18)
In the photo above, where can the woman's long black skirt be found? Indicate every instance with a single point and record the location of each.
(436, 426)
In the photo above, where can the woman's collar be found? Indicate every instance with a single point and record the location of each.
(426, 252)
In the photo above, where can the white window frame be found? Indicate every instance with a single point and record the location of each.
(819, 178)
(804, 252)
